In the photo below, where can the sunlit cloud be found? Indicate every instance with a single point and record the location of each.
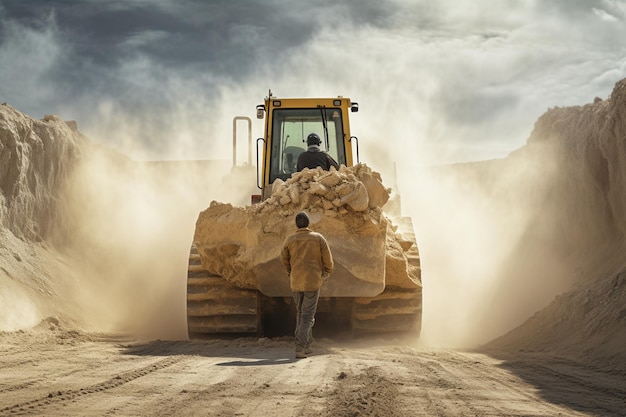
(470, 77)
(611, 10)
(604, 15)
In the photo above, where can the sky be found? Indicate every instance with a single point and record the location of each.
(443, 82)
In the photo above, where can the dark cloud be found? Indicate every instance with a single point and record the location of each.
(580, 9)
(162, 66)
(226, 40)
(227, 37)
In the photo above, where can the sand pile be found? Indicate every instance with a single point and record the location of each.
(36, 156)
(346, 206)
(586, 206)
(84, 229)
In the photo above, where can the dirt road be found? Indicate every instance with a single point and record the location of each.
(54, 372)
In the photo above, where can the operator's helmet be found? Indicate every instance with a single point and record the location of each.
(313, 139)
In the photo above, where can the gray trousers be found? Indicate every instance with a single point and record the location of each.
(306, 306)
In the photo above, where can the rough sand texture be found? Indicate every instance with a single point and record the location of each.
(345, 206)
(587, 202)
(36, 156)
(51, 371)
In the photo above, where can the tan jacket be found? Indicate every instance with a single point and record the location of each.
(307, 259)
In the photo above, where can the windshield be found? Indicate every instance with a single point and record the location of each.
(289, 132)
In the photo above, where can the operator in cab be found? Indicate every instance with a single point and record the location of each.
(314, 156)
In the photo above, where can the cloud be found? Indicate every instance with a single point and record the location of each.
(604, 15)
(464, 79)
(611, 10)
(29, 56)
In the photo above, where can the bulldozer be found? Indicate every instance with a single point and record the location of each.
(235, 282)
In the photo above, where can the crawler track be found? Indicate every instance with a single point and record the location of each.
(393, 311)
(214, 305)
(397, 309)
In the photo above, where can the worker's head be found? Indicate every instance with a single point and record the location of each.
(302, 220)
(313, 139)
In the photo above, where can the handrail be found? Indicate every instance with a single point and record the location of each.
(357, 147)
(258, 166)
(244, 118)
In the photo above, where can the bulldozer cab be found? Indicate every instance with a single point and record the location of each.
(288, 122)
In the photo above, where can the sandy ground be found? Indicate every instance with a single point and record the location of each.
(54, 372)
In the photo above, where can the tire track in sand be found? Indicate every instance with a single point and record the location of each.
(54, 398)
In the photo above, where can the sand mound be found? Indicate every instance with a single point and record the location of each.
(36, 159)
(586, 205)
(36, 156)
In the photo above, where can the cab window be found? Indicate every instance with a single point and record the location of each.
(290, 129)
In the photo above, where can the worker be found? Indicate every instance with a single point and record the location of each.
(314, 157)
(308, 261)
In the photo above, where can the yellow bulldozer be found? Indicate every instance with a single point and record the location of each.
(235, 281)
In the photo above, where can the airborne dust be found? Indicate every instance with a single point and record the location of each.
(499, 239)
(129, 226)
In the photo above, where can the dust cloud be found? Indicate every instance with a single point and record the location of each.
(18, 311)
(502, 240)
(96, 237)
(131, 225)
(499, 239)
(472, 222)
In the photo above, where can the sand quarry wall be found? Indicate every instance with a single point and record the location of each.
(582, 216)
(85, 232)
(36, 159)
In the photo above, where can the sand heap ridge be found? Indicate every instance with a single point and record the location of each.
(586, 205)
(36, 156)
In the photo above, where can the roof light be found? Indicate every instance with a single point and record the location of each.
(260, 111)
